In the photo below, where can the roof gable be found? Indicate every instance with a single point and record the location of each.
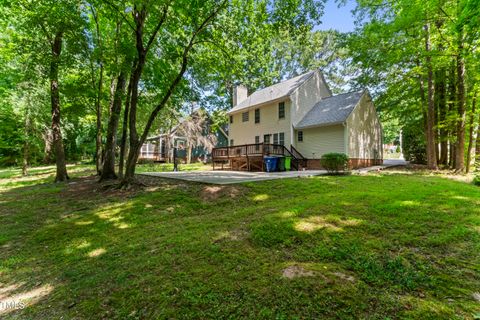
(274, 92)
(331, 110)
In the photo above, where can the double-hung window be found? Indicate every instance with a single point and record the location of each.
(275, 138)
(281, 110)
(300, 136)
(257, 115)
(281, 138)
(266, 138)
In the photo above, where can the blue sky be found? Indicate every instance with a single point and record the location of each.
(340, 19)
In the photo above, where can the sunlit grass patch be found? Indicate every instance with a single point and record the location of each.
(382, 246)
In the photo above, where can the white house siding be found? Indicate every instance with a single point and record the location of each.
(307, 95)
(321, 140)
(364, 138)
(245, 132)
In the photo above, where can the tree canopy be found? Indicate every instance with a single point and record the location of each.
(92, 79)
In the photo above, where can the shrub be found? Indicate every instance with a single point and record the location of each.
(476, 180)
(414, 144)
(334, 162)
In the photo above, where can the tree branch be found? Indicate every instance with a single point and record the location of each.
(157, 28)
(183, 68)
(121, 14)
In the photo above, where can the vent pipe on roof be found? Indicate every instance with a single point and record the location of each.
(240, 93)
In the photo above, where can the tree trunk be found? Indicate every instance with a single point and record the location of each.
(460, 150)
(47, 150)
(431, 154)
(135, 144)
(135, 141)
(108, 171)
(98, 108)
(167, 147)
(477, 146)
(471, 140)
(57, 140)
(98, 102)
(423, 100)
(189, 153)
(452, 94)
(442, 116)
(123, 141)
(26, 145)
(137, 69)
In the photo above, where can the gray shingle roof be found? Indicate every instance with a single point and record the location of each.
(277, 91)
(331, 110)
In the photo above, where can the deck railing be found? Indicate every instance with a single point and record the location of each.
(257, 150)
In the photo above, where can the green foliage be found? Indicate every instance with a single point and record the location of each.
(414, 145)
(334, 162)
(476, 180)
(360, 248)
(389, 48)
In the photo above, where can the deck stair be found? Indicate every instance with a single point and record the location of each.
(250, 157)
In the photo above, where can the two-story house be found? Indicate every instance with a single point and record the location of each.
(302, 114)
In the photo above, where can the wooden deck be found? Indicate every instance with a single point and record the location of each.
(250, 157)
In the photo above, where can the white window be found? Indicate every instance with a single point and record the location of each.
(266, 138)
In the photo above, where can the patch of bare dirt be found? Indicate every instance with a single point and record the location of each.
(212, 193)
(89, 186)
(231, 235)
(423, 170)
(344, 276)
(297, 271)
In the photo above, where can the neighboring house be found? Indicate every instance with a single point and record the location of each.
(302, 114)
(160, 148)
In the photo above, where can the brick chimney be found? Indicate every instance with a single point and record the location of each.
(240, 93)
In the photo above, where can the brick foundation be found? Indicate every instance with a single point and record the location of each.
(354, 163)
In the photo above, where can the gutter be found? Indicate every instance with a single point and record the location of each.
(320, 125)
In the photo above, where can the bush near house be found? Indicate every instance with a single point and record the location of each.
(414, 144)
(476, 180)
(334, 162)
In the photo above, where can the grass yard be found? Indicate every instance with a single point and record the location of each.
(380, 246)
(163, 167)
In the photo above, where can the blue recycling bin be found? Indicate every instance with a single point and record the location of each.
(271, 163)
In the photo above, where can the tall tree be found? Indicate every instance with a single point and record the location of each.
(57, 142)
(108, 170)
(431, 148)
(40, 31)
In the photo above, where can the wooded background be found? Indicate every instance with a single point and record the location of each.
(92, 79)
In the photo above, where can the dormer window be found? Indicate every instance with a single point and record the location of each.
(281, 110)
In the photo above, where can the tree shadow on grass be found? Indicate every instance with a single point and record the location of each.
(171, 250)
(412, 236)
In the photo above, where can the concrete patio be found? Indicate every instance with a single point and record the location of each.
(231, 177)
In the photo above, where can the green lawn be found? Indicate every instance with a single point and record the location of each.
(381, 246)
